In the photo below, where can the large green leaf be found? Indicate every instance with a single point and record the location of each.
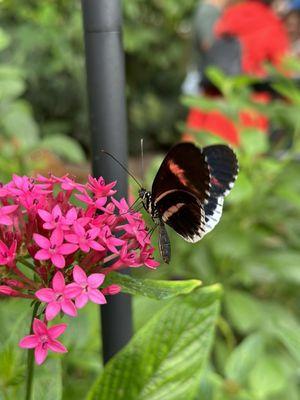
(165, 358)
(155, 289)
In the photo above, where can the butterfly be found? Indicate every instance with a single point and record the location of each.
(188, 191)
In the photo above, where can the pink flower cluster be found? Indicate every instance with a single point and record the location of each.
(58, 241)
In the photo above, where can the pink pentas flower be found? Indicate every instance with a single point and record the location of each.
(136, 228)
(43, 339)
(88, 287)
(146, 258)
(8, 254)
(53, 249)
(122, 206)
(85, 239)
(44, 229)
(128, 257)
(110, 241)
(56, 220)
(69, 184)
(59, 297)
(86, 198)
(5, 214)
(99, 188)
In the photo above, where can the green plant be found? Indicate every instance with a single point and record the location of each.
(254, 252)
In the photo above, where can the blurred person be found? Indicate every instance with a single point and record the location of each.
(253, 35)
(291, 19)
(207, 14)
(261, 33)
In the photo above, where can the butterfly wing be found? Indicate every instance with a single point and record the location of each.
(184, 213)
(180, 190)
(223, 167)
(183, 168)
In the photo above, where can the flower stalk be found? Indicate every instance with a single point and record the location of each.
(30, 358)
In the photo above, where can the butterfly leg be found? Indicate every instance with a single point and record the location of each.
(164, 243)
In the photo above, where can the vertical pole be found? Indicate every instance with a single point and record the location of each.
(108, 124)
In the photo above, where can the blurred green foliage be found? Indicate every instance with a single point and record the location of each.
(47, 47)
(23, 149)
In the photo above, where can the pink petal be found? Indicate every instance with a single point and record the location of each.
(56, 212)
(100, 202)
(45, 215)
(48, 225)
(29, 342)
(40, 354)
(79, 230)
(81, 300)
(94, 232)
(45, 295)
(8, 209)
(96, 296)
(42, 255)
(5, 220)
(68, 248)
(72, 290)
(3, 247)
(56, 237)
(52, 310)
(79, 275)
(58, 282)
(96, 246)
(72, 238)
(71, 214)
(56, 330)
(56, 346)
(58, 260)
(95, 280)
(41, 241)
(39, 327)
(84, 247)
(69, 308)
(115, 241)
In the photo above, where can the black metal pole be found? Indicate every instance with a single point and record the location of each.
(108, 123)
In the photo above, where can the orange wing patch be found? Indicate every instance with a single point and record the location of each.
(179, 172)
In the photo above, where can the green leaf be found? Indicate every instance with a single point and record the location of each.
(12, 83)
(155, 289)
(245, 311)
(47, 383)
(244, 357)
(18, 123)
(242, 190)
(165, 358)
(65, 147)
(4, 39)
(267, 377)
(254, 142)
(289, 335)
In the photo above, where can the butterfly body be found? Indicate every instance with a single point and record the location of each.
(188, 191)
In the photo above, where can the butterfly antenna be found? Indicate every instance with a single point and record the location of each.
(142, 159)
(122, 166)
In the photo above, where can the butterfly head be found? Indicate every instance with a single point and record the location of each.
(146, 198)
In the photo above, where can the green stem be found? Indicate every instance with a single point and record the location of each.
(30, 358)
(226, 332)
